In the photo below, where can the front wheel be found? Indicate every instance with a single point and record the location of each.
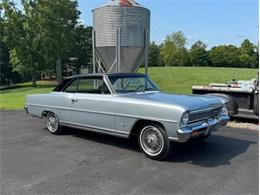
(153, 142)
(52, 123)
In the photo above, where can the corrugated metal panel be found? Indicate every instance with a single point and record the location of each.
(133, 21)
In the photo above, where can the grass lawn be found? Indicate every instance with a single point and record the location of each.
(169, 79)
(181, 79)
(15, 98)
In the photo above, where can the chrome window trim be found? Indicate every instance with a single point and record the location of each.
(69, 83)
(102, 77)
(109, 85)
(145, 76)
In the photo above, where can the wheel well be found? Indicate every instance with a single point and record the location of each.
(140, 123)
(44, 113)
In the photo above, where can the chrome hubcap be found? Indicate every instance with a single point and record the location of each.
(151, 140)
(52, 122)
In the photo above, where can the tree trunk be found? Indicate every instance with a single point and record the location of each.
(78, 67)
(58, 71)
(34, 79)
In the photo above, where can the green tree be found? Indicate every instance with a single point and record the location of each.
(19, 37)
(224, 56)
(161, 61)
(247, 47)
(40, 35)
(154, 55)
(82, 46)
(173, 49)
(255, 57)
(59, 20)
(185, 59)
(177, 38)
(248, 54)
(199, 54)
(5, 68)
(7, 76)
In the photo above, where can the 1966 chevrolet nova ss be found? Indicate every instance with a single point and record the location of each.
(128, 105)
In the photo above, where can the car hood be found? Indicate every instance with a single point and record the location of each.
(187, 102)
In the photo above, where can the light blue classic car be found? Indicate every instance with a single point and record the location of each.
(126, 105)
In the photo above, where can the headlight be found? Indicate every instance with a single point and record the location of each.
(185, 119)
(224, 110)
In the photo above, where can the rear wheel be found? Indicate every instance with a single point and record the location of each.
(154, 142)
(52, 123)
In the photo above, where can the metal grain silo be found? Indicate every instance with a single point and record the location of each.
(121, 35)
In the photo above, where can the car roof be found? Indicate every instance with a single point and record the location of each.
(102, 74)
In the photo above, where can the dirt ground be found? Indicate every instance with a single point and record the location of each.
(244, 124)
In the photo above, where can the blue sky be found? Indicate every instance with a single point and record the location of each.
(213, 21)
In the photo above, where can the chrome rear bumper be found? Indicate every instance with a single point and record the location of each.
(201, 128)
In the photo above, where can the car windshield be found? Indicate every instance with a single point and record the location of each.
(132, 83)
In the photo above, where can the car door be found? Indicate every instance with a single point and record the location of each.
(93, 105)
(62, 100)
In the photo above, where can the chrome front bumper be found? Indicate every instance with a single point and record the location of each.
(201, 128)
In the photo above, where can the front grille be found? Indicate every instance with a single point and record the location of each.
(201, 115)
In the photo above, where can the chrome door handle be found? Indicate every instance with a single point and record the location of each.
(74, 101)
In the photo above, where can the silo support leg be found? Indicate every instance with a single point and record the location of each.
(93, 50)
(146, 50)
(118, 51)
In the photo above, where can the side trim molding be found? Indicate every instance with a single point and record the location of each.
(106, 113)
(122, 134)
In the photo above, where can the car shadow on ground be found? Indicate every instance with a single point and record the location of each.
(216, 151)
(130, 144)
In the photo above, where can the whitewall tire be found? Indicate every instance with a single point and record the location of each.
(52, 123)
(153, 142)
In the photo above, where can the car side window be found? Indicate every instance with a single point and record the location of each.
(134, 84)
(131, 84)
(92, 85)
(72, 87)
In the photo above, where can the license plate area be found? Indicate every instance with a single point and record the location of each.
(198, 132)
